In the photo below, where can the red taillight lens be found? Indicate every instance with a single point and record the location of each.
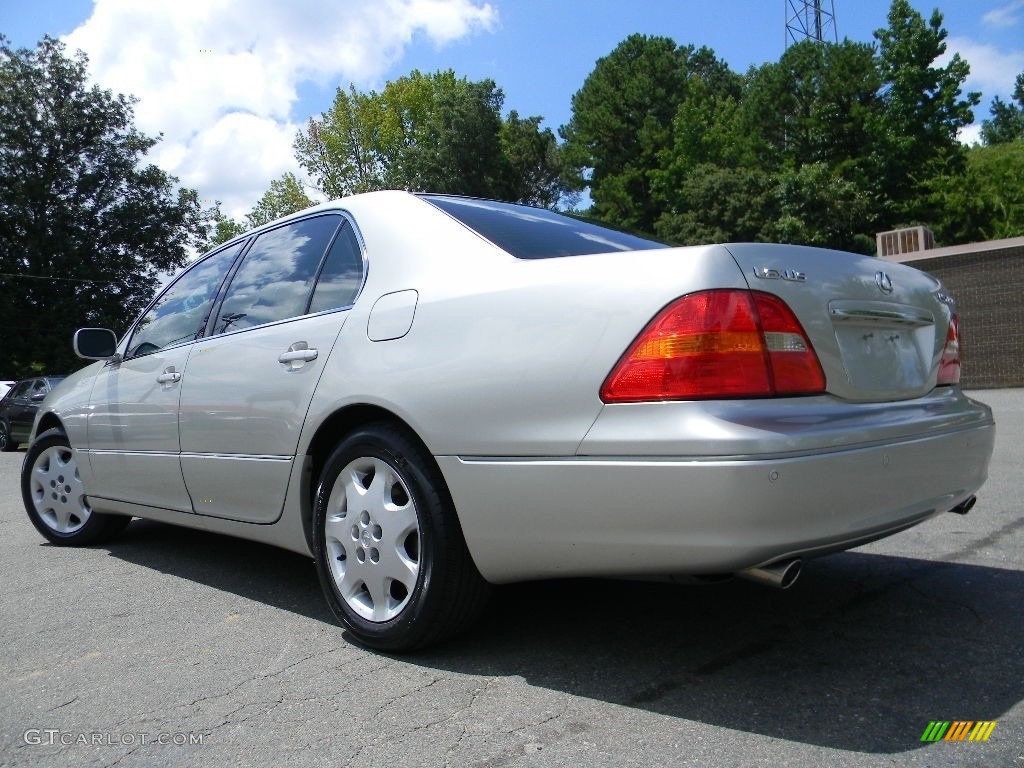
(717, 344)
(949, 365)
(794, 365)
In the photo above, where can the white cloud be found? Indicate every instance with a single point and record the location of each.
(992, 70)
(970, 135)
(1004, 16)
(992, 74)
(238, 154)
(219, 78)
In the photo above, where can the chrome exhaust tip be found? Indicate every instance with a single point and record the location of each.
(965, 506)
(780, 575)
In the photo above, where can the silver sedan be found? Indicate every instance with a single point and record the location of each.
(431, 394)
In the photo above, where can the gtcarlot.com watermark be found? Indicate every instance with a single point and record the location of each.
(55, 737)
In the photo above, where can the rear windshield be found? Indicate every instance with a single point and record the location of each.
(537, 233)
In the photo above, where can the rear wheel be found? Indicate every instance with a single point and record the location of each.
(389, 549)
(55, 498)
(6, 443)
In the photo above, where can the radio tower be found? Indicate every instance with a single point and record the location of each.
(811, 20)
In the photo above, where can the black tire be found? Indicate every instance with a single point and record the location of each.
(55, 497)
(425, 585)
(6, 443)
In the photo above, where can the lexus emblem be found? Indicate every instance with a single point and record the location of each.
(884, 282)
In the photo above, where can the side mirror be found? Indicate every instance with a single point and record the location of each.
(95, 343)
(38, 397)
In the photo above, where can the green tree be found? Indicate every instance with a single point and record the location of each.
(452, 133)
(219, 228)
(718, 203)
(814, 105)
(534, 164)
(339, 150)
(622, 121)
(915, 135)
(86, 226)
(817, 206)
(285, 196)
(986, 201)
(431, 132)
(1007, 123)
(782, 162)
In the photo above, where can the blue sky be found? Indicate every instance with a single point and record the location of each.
(228, 82)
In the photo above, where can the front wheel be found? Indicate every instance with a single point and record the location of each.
(389, 548)
(54, 495)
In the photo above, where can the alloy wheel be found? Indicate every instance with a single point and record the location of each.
(372, 539)
(57, 492)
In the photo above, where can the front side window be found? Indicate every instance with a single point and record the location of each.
(181, 312)
(22, 389)
(276, 277)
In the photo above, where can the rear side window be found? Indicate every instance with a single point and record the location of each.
(22, 389)
(537, 233)
(342, 275)
(276, 277)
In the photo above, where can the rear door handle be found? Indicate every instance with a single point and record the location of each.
(169, 376)
(305, 355)
(297, 354)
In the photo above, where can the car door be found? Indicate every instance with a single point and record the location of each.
(18, 407)
(132, 436)
(248, 385)
(25, 412)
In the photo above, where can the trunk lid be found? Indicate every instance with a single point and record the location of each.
(878, 328)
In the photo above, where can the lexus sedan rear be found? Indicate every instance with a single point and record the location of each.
(431, 394)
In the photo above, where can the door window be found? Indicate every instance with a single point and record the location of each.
(342, 275)
(181, 312)
(277, 274)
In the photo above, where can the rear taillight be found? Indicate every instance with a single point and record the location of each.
(949, 364)
(717, 344)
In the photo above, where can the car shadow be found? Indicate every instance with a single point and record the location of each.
(859, 655)
(270, 575)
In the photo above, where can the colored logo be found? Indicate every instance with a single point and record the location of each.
(958, 730)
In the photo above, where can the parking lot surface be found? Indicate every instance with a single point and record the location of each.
(172, 647)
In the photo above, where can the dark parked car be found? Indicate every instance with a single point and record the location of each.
(18, 409)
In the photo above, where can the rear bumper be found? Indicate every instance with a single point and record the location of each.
(528, 518)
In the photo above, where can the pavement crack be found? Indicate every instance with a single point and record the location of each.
(69, 701)
(991, 539)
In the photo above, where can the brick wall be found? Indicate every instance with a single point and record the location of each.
(988, 286)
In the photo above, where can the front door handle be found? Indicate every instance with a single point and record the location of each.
(169, 376)
(297, 355)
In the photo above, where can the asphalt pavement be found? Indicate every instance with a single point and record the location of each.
(172, 647)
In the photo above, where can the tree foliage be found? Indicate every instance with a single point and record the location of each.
(431, 132)
(916, 132)
(85, 225)
(1007, 123)
(815, 105)
(219, 229)
(622, 121)
(826, 146)
(986, 201)
(285, 196)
